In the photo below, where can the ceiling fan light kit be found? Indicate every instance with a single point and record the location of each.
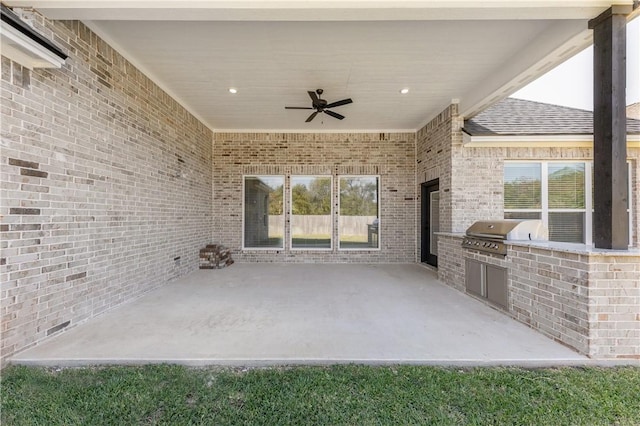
(321, 105)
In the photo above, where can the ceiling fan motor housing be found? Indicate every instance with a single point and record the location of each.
(320, 104)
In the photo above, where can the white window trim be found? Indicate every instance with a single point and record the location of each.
(588, 201)
(544, 189)
(284, 183)
(331, 236)
(630, 202)
(378, 215)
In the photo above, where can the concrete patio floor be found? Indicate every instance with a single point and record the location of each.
(273, 314)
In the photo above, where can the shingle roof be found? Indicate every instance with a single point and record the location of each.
(519, 117)
(633, 110)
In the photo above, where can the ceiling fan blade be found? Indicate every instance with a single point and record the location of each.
(339, 103)
(334, 114)
(311, 117)
(313, 97)
(298, 108)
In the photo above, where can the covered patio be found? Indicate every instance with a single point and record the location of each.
(132, 130)
(272, 314)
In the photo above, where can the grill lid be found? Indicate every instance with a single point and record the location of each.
(509, 229)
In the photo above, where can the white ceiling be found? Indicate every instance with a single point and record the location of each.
(274, 51)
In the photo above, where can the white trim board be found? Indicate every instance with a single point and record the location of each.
(542, 141)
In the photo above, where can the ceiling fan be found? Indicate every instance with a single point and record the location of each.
(321, 105)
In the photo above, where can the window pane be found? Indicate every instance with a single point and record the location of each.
(522, 189)
(522, 215)
(566, 186)
(263, 212)
(311, 212)
(566, 226)
(358, 222)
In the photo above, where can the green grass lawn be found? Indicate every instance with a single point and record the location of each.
(338, 395)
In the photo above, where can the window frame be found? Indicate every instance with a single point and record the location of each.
(588, 195)
(290, 223)
(284, 230)
(379, 210)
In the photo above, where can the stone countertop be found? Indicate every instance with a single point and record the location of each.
(558, 246)
(574, 248)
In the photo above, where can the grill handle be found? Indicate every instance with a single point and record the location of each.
(487, 236)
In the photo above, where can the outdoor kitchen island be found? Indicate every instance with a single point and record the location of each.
(583, 297)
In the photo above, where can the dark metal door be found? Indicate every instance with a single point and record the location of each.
(430, 222)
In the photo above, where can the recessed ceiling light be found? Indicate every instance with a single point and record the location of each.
(404, 91)
(233, 90)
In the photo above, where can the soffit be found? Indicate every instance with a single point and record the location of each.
(475, 52)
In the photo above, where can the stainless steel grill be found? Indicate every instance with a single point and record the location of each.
(490, 235)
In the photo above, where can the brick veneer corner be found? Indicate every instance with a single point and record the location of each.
(614, 306)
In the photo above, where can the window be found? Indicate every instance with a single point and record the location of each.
(358, 222)
(311, 226)
(553, 192)
(263, 212)
(559, 193)
(567, 210)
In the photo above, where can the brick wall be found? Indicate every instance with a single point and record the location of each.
(550, 293)
(433, 161)
(106, 187)
(586, 300)
(389, 155)
(614, 305)
(451, 267)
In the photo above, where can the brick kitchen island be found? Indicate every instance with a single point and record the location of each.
(585, 298)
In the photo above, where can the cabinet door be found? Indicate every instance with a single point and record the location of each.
(497, 290)
(474, 277)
